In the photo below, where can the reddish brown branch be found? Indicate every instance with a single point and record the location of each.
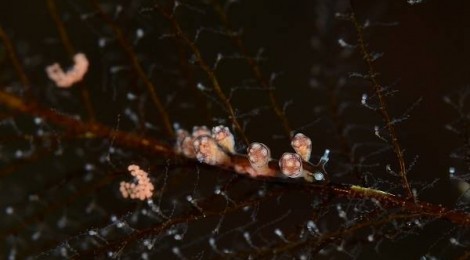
(383, 108)
(133, 141)
(89, 130)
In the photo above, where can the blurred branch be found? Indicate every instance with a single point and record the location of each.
(10, 50)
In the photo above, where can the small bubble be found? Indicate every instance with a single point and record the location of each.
(343, 43)
(33, 197)
(18, 154)
(139, 33)
(318, 176)
(118, 9)
(364, 99)
(89, 167)
(37, 120)
(212, 242)
(102, 42)
(63, 252)
(413, 2)
(9, 210)
(148, 244)
(312, 227)
(12, 254)
(453, 241)
(131, 96)
(201, 87)
(176, 250)
(279, 233)
(451, 171)
(62, 222)
(144, 255)
(36, 235)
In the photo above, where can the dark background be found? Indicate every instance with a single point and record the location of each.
(424, 54)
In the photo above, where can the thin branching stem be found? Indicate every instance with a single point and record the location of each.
(137, 67)
(383, 108)
(209, 71)
(255, 68)
(344, 142)
(318, 243)
(10, 50)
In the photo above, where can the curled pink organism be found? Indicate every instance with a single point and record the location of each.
(141, 189)
(224, 138)
(207, 151)
(302, 146)
(75, 74)
(259, 156)
(291, 165)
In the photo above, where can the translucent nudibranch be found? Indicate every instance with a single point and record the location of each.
(302, 146)
(259, 156)
(291, 165)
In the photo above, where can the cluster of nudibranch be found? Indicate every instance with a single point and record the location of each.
(217, 147)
